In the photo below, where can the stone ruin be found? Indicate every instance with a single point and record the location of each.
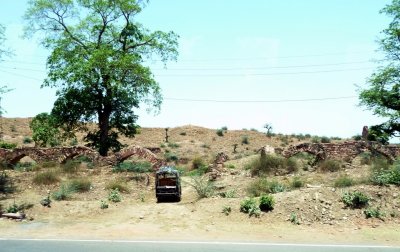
(62, 154)
(346, 151)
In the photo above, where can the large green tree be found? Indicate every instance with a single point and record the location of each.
(383, 94)
(97, 64)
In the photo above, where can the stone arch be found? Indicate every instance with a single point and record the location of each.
(315, 149)
(139, 152)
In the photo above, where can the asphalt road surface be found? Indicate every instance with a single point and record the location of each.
(36, 245)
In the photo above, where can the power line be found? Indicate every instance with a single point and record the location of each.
(21, 75)
(261, 101)
(262, 74)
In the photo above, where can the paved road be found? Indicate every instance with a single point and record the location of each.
(33, 245)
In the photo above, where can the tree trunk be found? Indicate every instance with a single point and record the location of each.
(104, 145)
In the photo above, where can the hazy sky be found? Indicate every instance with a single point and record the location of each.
(242, 64)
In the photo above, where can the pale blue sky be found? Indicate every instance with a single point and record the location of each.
(257, 50)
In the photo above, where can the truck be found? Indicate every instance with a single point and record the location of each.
(168, 184)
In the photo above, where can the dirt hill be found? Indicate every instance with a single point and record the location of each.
(312, 211)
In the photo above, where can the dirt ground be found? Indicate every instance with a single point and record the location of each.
(321, 215)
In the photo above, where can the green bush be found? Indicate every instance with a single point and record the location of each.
(251, 207)
(27, 140)
(330, 165)
(355, 199)
(344, 181)
(173, 145)
(220, 132)
(373, 213)
(6, 185)
(103, 204)
(245, 140)
(63, 193)
(204, 187)
(114, 196)
(139, 167)
(46, 178)
(267, 203)
(224, 128)
(296, 182)
(198, 163)
(325, 139)
(26, 166)
(267, 164)
(80, 185)
(315, 139)
(14, 208)
(171, 157)
(6, 145)
(226, 210)
(261, 186)
(228, 194)
(293, 219)
(386, 177)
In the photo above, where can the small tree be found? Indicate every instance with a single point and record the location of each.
(268, 127)
(44, 130)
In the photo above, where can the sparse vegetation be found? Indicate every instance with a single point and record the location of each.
(117, 184)
(251, 207)
(297, 182)
(15, 208)
(355, 199)
(138, 167)
(262, 185)
(204, 187)
(226, 210)
(80, 185)
(344, 181)
(27, 140)
(114, 196)
(293, 219)
(70, 166)
(330, 165)
(6, 185)
(325, 139)
(8, 146)
(220, 132)
(267, 203)
(63, 193)
(268, 164)
(228, 194)
(373, 213)
(48, 177)
(245, 140)
(386, 176)
(103, 204)
(169, 156)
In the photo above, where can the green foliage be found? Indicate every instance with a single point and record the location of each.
(173, 145)
(6, 145)
(169, 156)
(297, 182)
(114, 196)
(267, 203)
(330, 165)
(198, 163)
(220, 132)
(262, 185)
(344, 181)
(182, 133)
(382, 94)
(325, 139)
(251, 207)
(46, 178)
(204, 187)
(224, 128)
(357, 137)
(103, 204)
(73, 142)
(63, 193)
(226, 210)
(6, 184)
(139, 167)
(293, 219)
(45, 131)
(355, 199)
(245, 140)
(315, 139)
(373, 213)
(386, 176)
(228, 194)
(14, 208)
(27, 140)
(79, 185)
(97, 63)
(270, 164)
(26, 166)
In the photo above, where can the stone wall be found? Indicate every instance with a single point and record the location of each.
(62, 154)
(346, 151)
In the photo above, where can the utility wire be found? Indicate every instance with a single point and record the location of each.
(261, 101)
